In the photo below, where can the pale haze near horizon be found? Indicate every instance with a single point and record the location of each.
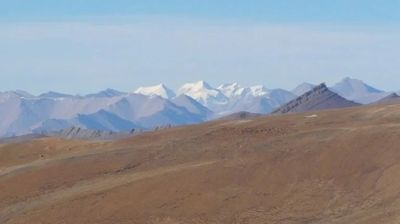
(92, 51)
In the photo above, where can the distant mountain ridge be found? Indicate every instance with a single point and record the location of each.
(158, 90)
(356, 90)
(303, 88)
(319, 98)
(147, 107)
(391, 99)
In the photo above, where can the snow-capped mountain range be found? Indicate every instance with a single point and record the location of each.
(158, 90)
(149, 107)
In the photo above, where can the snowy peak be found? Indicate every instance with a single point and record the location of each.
(201, 84)
(157, 90)
(203, 93)
(110, 109)
(302, 88)
(259, 90)
(232, 90)
(196, 86)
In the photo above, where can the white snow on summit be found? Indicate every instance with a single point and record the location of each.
(232, 90)
(203, 93)
(23, 113)
(254, 99)
(259, 90)
(158, 90)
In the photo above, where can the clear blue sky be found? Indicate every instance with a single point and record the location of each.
(346, 11)
(81, 46)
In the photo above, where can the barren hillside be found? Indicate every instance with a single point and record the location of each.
(326, 167)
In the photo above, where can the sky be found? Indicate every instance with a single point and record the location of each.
(83, 46)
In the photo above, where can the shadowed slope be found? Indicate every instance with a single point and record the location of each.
(319, 98)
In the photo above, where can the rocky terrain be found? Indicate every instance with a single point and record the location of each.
(324, 167)
(318, 98)
(88, 134)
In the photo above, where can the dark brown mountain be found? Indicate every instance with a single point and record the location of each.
(319, 98)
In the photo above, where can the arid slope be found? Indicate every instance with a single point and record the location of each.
(339, 166)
